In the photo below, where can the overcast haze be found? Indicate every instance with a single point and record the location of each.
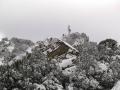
(39, 19)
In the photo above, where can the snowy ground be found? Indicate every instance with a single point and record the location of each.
(1, 60)
(67, 66)
(69, 71)
(117, 86)
(67, 62)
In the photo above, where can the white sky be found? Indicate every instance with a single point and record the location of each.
(39, 19)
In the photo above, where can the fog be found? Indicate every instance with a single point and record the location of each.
(39, 19)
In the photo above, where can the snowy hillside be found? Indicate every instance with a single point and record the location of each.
(76, 63)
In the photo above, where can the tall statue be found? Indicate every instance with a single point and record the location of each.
(69, 30)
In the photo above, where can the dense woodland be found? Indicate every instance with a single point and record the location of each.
(25, 65)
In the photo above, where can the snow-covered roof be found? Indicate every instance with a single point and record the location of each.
(69, 45)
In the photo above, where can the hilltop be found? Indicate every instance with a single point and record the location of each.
(70, 63)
